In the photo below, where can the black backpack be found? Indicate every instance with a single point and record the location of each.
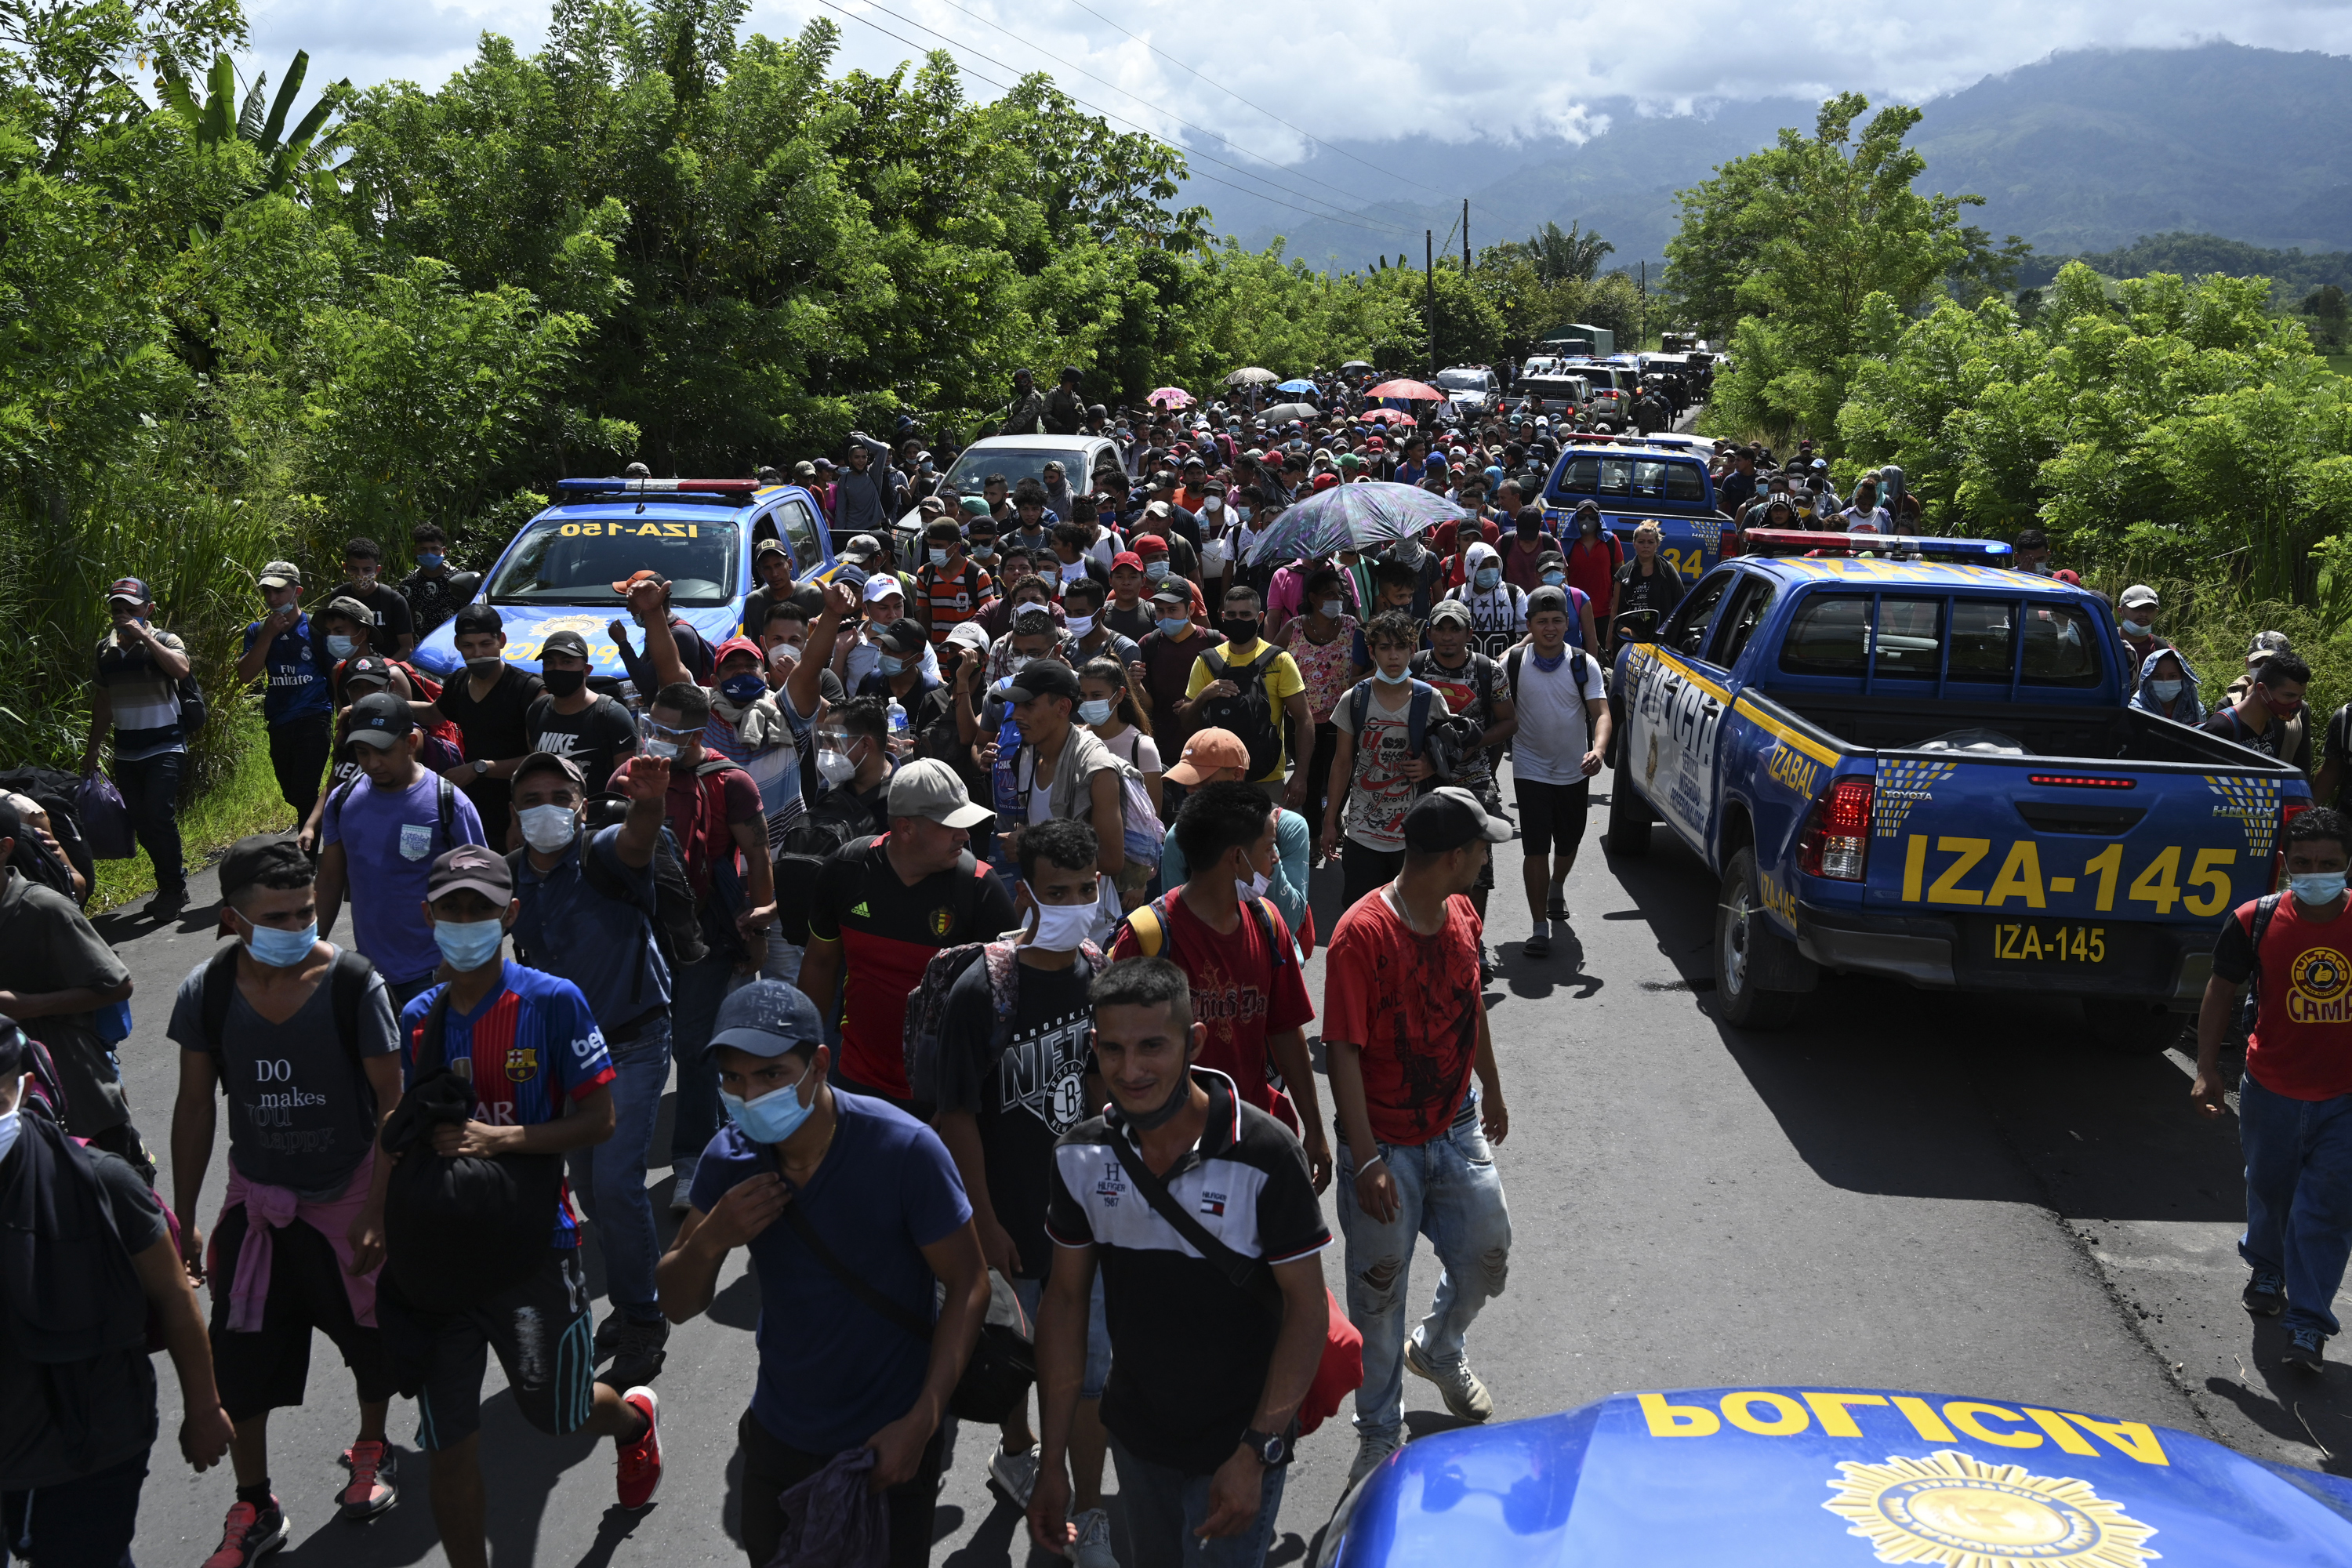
(192, 710)
(348, 981)
(835, 817)
(1250, 716)
(53, 792)
(1445, 743)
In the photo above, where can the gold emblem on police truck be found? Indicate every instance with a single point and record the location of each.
(1951, 1509)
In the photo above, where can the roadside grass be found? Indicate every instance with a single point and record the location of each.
(246, 802)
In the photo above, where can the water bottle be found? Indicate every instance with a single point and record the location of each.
(898, 727)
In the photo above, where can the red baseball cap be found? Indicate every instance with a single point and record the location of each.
(1144, 542)
(1325, 481)
(1126, 558)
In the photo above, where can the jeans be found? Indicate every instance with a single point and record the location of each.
(695, 992)
(1447, 1189)
(783, 960)
(86, 1522)
(1164, 1507)
(1032, 1293)
(2298, 1196)
(299, 750)
(614, 1191)
(151, 790)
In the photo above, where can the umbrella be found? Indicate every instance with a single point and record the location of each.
(1169, 397)
(1281, 412)
(1249, 375)
(1387, 416)
(1412, 391)
(1351, 516)
(1301, 385)
(1357, 364)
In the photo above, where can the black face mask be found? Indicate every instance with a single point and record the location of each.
(1165, 1111)
(480, 667)
(1239, 628)
(563, 682)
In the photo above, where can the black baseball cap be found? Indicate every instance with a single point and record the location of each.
(248, 860)
(549, 761)
(904, 636)
(1044, 677)
(1173, 587)
(471, 865)
(368, 667)
(1447, 818)
(379, 719)
(475, 617)
(1551, 596)
(571, 643)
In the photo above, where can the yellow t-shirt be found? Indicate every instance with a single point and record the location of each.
(1282, 681)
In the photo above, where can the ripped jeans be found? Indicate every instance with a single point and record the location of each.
(1447, 1189)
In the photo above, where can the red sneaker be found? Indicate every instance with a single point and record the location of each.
(375, 1480)
(249, 1535)
(640, 1461)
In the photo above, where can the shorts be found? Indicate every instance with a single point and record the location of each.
(1551, 814)
(545, 1341)
(1097, 1372)
(269, 1368)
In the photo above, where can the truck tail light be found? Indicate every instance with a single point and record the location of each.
(1837, 834)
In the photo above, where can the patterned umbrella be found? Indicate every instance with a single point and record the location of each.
(1249, 375)
(1388, 417)
(1353, 516)
(1412, 391)
(1171, 398)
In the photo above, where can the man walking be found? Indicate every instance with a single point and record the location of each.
(1563, 733)
(136, 694)
(1406, 1030)
(295, 705)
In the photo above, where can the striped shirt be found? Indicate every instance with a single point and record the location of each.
(954, 597)
(146, 701)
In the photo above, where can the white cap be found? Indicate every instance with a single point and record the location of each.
(2136, 596)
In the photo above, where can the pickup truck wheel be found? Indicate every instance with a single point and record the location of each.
(1744, 943)
(2131, 1028)
(1629, 819)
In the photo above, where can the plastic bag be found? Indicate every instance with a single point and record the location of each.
(105, 820)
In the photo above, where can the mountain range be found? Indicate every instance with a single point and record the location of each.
(2085, 151)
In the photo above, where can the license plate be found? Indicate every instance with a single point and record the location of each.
(2049, 945)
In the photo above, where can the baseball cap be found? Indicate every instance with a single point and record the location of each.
(1449, 610)
(282, 574)
(1551, 596)
(379, 719)
(881, 585)
(1448, 817)
(250, 859)
(351, 609)
(368, 667)
(475, 618)
(471, 865)
(1044, 677)
(975, 505)
(1144, 542)
(1325, 481)
(2136, 596)
(766, 1018)
(549, 761)
(560, 642)
(1128, 558)
(1206, 753)
(1176, 590)
(904, 636)
(770, 547)
(734, 645)
(633, 578)
(929, 788)
(130, 588)
(861, 549)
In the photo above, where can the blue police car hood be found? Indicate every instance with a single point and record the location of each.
(529, 626)
(1793, 1478)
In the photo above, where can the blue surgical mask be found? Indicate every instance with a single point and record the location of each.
(2317, 887)
(430, 561)
(939, 557)
(893, 665)
(660, 751)
(1155, 570)
(770, 1118)
(1169, 625)
(1095, 711)
(281, 949)
(1487, 577)
(1398, 679)
(341, 647)
(2166, 690)
(467, 945)
(743, 689)
(1555, 578)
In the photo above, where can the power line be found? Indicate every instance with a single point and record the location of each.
(1348, 219)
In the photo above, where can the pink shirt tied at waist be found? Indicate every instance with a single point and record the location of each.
(268, 1208)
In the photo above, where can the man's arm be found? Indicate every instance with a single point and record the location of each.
(193, 1125)
(661, 643)
(2206, 1093)
(205, 1429)
(327, 888)
(688, 1271)
(251, 662)
(1376, 1192)
(1061, 1354)
(1289, 1051)
(821, 977)
(760, 888)
(955, 1260)
(101, 721)
(1302, 745)
(646, 784)
(1504, 712)
(1109, 821)
(1596, 711)
(1238, 1488)
(960, 1130)
(590, 1121)
(1493, 1116)
(366, 1233)
(801, 687)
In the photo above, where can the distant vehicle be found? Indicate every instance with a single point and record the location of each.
(1017, 458)
(1559, 396)
(1470, 390)
(1633, 482)
(557, 572)
(1580, 338)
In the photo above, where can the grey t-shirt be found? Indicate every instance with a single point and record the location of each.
(300, 1114)
(45, 944)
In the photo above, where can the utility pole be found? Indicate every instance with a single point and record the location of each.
(1429, 276)
(1465, 236)
(1641, 320)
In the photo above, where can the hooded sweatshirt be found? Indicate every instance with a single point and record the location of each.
(2184, 708)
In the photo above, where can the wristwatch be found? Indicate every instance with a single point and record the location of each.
(1269, 1448)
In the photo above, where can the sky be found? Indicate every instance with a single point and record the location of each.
(1502, 70)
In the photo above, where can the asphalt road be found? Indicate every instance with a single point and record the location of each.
(1950, 1193)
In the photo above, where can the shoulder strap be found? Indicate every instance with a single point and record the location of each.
(1416, 724)
(1267, 928)
(2264, 908)
(349, 978)
(1250, 1276)
(1511, 670)
(1359, 709)
(430, 1043)
(445, 805)
(890, 1310)
(1149, 924)
(218, 989)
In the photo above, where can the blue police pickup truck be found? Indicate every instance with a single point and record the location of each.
(1918, 763)
(1633, 482)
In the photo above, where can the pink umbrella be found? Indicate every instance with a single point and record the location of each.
(1388, 417)
(1171, 398)
(1412, 391)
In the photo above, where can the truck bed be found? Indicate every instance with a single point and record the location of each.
(2103, 735)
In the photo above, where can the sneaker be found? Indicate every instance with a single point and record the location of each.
(1014, 1475)
(2265, 1294)
(375, 1480)
(681, 1184)
(1371, 1450)
(1464, 1395)
(168, 903)
(640, 1470)
(1092, 1549)
(1537, 945)
(637, 1350)
(2307, 1348)
(249, 1534)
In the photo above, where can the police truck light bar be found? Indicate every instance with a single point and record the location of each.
(1797, 542)
(662, 487)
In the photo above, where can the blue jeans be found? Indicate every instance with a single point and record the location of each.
(86, 1522)
(1447, 1189)
(1164, 1505)
(614, 1191)
(694, 993)
(151, 792)
(2298, 1196)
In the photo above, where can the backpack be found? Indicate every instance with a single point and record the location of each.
(193, 708)
(676, 922)
(347, 979)
(1141, 834)
(1250, 716)
(53, 792)
(835, 817)
(2264, 908)
(927, 1009)
(445, 805)
(1445, 743)
(1149, 925)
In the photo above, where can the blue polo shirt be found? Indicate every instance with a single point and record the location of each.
(834, 1372)
(298, 687)
(602, 944)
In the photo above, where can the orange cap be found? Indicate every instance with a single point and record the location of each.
(632, 579)
(1209, 751)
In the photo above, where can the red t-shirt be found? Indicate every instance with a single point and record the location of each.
(2301, 1044)
(1593, 568)
(703, 844)
(1411, 1005)
(1238, 990)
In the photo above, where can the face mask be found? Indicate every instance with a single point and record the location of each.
(743, 689)
(2134, 629)
(1554, 579)
(548, 828)
(1061, 927)
(341, 648)
(1153, 571)
(1332, 608)
(835, 767)
(660, 751)
(1487, 577)
(1408, 551)
(2166, 690)
(467, 945)
(1095, 711)
(1528, 530)
(1256, 886)
(280, 949)
(2317, 887)
(429, 562)
(1178, 1095)
(1398, 679)
(770, 1118)
(984, 552)
(1212, 503)
(939, 557)
(563, 682)
(1079, 626)
(365, 575)
(1239, 628)
(1591, 525)
(1170, 625)
(483, 668)
(1246, 513)
(9, 1126)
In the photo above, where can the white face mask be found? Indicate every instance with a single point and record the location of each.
(548, 828)
(835, 767)
(1079, 626)
(1062, 927)
(1255, 887)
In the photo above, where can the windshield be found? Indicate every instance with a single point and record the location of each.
(1016, 464)
(1462, 380)
(576, 560)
